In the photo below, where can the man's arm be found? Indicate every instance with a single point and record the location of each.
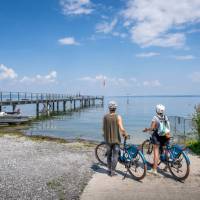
(103, 127)
(121, 127)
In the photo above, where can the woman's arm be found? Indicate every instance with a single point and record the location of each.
(152, 128)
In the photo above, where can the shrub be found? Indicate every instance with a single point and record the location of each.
(194, 146)
(196, 120)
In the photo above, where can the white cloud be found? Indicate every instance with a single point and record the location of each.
(7, 73)
(152, 83)
(151, 22)
(118, 34)
(120, 82)
(76, 7)
(195, 76)
(106, 27)
(68, 41)
(147, 55)
(185, 57)
(106, 80)
(41, 79)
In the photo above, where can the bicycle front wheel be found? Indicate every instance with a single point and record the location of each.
(137, 167)
(147, 150)
(101, 153)
(180, 167)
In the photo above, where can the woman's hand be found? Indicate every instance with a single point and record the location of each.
(145, 130)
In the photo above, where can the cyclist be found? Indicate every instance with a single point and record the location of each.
(112, 127)
(160, 127)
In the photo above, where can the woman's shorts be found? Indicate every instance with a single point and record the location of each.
(159, 140)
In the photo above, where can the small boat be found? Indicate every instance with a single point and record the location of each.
(13, 118)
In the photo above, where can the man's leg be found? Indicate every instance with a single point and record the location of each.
(109, 157)
(115, 156)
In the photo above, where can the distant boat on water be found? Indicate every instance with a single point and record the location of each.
(13, 118)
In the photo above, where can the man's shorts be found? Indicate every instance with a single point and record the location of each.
(159, 140)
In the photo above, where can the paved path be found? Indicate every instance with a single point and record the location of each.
(103, 187)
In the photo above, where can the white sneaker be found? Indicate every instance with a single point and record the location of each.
(153, 171)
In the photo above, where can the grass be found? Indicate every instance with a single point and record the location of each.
(194, 145)
(58, 187)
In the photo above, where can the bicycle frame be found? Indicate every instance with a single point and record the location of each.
(176, 150)
(129, 152)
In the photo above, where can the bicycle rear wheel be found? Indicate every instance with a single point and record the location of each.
(147, 150)
(101, 153)
(137, 167)
(180, 166)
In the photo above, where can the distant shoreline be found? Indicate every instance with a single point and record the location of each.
(154, 96)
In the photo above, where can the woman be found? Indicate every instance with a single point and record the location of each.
(161, 134)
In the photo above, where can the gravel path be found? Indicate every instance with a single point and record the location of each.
(43, 170)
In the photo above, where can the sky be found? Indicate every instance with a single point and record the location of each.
(98, 47)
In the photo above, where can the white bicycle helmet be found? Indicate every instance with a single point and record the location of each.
(112, 105)
(160, 109)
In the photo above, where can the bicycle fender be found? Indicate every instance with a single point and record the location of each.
(186, 156)
(142, 155)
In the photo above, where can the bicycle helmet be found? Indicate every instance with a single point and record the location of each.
(112, 105)
(160, 109)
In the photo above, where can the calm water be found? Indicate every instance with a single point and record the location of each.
(136, 112)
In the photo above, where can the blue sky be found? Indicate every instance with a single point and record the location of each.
(135, 47)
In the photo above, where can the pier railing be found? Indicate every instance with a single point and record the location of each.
(24, 96)
(182, 126)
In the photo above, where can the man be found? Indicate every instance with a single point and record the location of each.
(112, 127)
(161, 134)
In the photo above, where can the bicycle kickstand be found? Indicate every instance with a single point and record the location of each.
(125, 173)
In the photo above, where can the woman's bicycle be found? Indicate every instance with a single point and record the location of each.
(130, 156)
(174, 157)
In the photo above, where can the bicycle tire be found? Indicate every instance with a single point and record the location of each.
(147, 150)
(100, 153)
(133, 163)
(170, 166)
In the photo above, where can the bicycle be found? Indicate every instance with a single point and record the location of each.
(174, 157)
(130, 156)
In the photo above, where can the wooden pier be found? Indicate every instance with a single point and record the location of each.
(50, 102)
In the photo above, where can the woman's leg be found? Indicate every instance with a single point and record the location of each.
(156, 156)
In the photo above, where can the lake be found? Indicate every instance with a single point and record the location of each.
(136, 112)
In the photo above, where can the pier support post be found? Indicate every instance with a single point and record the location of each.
(57, 106)
(0, 108)
(74, 104)
(37, 110)
(64, 106)
(53, 107)
(13, 107)
(85, 102)
(70, 105)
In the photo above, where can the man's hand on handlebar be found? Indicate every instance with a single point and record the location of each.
(126, 136)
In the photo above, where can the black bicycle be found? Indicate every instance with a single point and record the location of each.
(173, 157)
(130, 156)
